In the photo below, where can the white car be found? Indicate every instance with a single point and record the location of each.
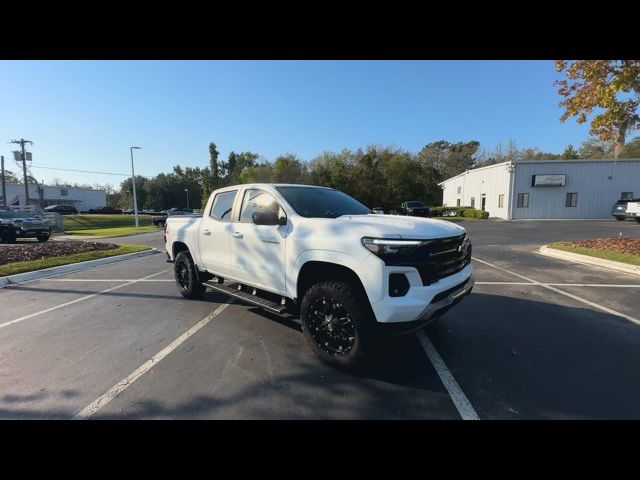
(349, 273)
(633, 210)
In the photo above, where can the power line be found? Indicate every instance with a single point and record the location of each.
(83, 171)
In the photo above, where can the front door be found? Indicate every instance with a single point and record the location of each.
(258, 250)
(215, 231)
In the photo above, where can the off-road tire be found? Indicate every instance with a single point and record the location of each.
(186, 276)
(349, 297)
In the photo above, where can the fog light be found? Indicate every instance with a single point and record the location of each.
(398, 285)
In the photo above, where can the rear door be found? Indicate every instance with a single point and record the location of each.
(214, 233)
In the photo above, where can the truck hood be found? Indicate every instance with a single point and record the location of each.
(392, 226)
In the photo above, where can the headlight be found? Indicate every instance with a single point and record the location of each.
(383, 246)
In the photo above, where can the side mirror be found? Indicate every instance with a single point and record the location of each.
(266, 218)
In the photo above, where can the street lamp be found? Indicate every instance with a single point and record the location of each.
(187, 190)
(133, 181)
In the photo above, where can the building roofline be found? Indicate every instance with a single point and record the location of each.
(21, 185)
(579, 160)
(474, 170)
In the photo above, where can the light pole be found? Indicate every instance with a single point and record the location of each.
(187, 190)
(133, 182)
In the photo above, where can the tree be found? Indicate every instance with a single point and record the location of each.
(235, 165)
(288, 169)
(570, 153)
(631, 149)
(595, 148)
(611, 88)
(449, 159)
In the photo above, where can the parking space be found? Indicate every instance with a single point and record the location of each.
(538, 338)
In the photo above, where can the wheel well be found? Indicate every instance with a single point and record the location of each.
(179, 247)
(314, 272)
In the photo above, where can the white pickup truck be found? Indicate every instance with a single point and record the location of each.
(633, 210)
(316, 251)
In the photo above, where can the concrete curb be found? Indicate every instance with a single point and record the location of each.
(587, 260)
(70, 268)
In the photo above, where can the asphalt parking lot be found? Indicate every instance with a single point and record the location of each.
(539, 338)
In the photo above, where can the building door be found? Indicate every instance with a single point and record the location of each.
(483, 201)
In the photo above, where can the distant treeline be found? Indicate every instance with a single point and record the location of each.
(378, 176)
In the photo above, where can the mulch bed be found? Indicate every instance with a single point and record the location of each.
(38, 251)
(615, 244)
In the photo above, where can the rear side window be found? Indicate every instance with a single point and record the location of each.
(222, 206)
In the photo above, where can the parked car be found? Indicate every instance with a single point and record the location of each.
(62, 209)
(159, 220)
(633, 209)
(619, 209)
(106, 210)
(377, 210)
(128, 211)
(23, 225)
(349, 274)
(414, 208)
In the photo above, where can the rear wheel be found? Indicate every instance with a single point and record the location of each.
(186, 276)
(43, 238)
(337, 327)
(620, 218)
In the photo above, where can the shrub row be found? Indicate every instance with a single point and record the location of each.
(458, 212)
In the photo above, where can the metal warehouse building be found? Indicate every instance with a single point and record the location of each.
(585, 189)
(81, 198)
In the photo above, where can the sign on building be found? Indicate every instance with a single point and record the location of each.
(548, 180)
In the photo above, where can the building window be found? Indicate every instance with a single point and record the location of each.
(626, 195)
(572, 200)
(457, 202)
(473, 202)
(64, 192)
(523, 200)
(459, 190)
(501, 201)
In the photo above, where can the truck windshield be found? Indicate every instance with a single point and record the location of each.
(321, 202)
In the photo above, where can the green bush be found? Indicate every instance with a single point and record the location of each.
(467, 212)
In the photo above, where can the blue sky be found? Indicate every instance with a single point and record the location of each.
(85, 114)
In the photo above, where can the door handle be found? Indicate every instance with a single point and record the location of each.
(206, 232)
(236, 234)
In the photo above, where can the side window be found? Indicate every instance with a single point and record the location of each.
(571, 200)
(257, 201)
(501, 201)
(523, 200)
(457, 202)
(626, 195)
(222, 206)
(473, 202)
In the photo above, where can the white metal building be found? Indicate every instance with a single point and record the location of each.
(543, 189)
(81, 198)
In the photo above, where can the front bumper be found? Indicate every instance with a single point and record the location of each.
(423, 303)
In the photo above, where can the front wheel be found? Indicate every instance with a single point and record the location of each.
(620, 218)
(338, 328)
(43, 238)
(186, 276)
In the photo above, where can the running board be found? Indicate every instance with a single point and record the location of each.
(232, 291)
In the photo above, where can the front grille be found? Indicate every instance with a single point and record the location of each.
(444, 257)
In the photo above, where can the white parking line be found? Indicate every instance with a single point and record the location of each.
(105, 280)
(77, 300)
(460, 400)
(119, 387)
(562, 292)
(539, 284)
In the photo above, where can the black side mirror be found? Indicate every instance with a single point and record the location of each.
(266, 218)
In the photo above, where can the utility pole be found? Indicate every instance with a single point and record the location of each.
(4, 183)
(21, 142)
(133, 185)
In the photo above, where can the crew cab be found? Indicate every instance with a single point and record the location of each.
(350, 275)
(23, 225)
